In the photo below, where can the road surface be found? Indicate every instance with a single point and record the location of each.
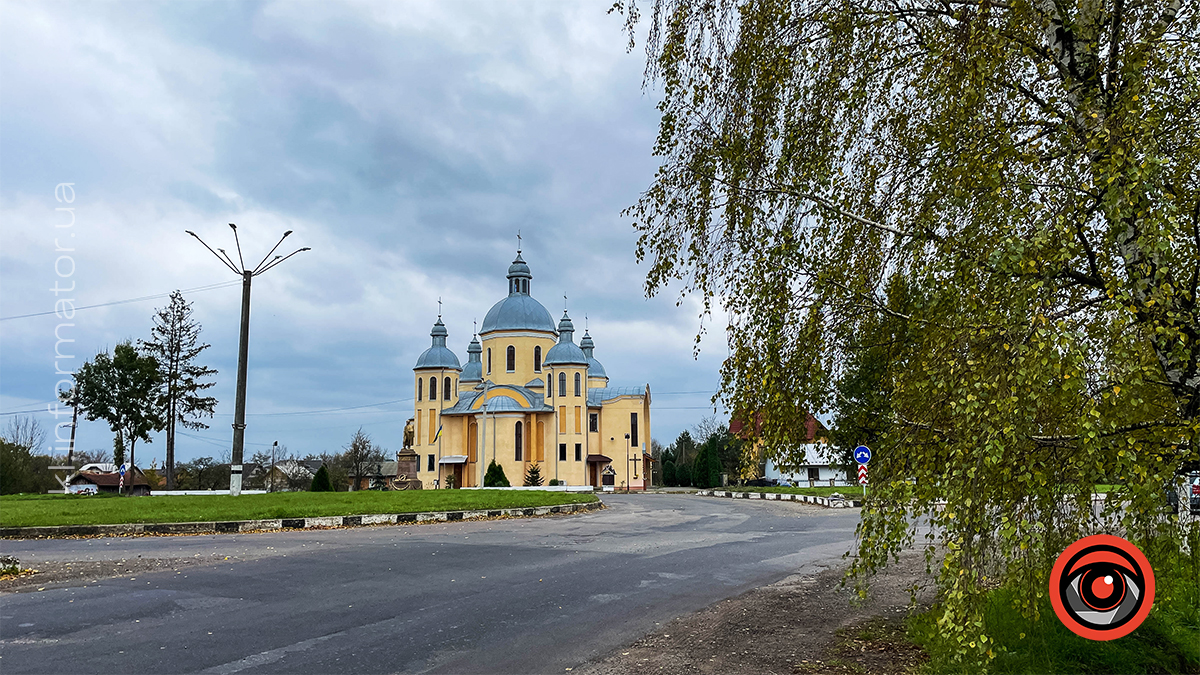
(502, 596)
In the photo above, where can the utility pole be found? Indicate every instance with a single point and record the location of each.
(239, 413)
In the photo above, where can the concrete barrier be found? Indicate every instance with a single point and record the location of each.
(284, 523)
(827, 502)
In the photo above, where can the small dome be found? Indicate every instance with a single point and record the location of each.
(594, 367)
(473, 371)
(519, 269)
(566, 351)
(438, 355)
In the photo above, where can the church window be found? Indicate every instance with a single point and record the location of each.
(525, 285)
(510, 362)
(446, 389)
(578, 386)
(420, 389)
(594, 422)
(562, 419)
(562, 452)
(579, 452)
(578, 420)
(430, 468)
(537, 359)
(518, 444)
(433, 389)
(633, 439)
(562, 384)
(489, 360)
(432, 426)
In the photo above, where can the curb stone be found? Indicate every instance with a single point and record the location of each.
(827, 502)
(284, 523)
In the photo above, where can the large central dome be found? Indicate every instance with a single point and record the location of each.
(519, 311)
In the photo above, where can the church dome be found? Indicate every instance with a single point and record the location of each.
(519, 311)
(438, 355)
(473, 371)
(594, 367)
(566, 351)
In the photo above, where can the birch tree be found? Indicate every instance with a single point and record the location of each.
(1030, 169)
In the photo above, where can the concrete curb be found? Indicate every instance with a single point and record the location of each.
(285, 523)
(827, 502)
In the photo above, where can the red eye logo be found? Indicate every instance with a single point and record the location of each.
(1102, 587)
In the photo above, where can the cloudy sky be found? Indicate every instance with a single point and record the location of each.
(405, 142)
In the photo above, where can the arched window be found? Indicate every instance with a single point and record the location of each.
(433, 389)
(446, 389)
(577, 387)
(510, 360)
(562, 384)
(537, 359)
(489, 360)
(420, 389)
(525, 285)
(519, 440)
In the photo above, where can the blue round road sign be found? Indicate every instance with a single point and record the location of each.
(862, 454)
(122, 469)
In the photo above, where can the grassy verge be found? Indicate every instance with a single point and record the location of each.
(1168, 641)
(44, 510)
(848, 491)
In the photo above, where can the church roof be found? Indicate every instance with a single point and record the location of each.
(566, 351)
(594, 367)
(473, 371)
(515, 399)
(599, 395)
(438, 355)
(519, 311)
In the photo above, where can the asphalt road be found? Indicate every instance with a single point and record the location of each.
(507, 596)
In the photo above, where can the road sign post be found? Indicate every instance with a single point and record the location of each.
(862, 455)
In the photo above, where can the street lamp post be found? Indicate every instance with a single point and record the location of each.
(274, 447)
(239, 413)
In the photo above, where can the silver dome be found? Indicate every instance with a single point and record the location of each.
(438, 355)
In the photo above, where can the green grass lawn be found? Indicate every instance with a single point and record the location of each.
(847, 491)
(43, 510)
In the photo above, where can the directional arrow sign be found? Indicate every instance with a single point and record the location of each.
(862, 454)
(862, 474)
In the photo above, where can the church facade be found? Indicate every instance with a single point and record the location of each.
(527, 395)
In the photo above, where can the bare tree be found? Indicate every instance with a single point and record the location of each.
(26, 432)
(360, 457)
(707, 427)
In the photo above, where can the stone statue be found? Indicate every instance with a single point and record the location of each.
(408, 433)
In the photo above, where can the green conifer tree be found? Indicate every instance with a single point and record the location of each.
(321, 482)
(533, 476)
(495, 476)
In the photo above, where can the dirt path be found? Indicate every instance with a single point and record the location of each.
(802, 624)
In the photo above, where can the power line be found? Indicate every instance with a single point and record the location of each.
(198, 289)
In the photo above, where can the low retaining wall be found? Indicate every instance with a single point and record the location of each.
(827, 502)
(284, 523)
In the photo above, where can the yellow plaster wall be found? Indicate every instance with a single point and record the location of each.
(499, 342)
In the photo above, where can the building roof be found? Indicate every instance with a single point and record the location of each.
(473, 371)
(438, 355)
(113, 479)
(594, 367)
(519, 311)
(599, 395)
(566, 352)
(504, 398)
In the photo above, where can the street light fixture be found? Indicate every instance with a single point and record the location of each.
(239, 413)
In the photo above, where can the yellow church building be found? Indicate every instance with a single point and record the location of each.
(527, 395)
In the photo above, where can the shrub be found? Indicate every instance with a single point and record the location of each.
(555, 481)
(495, 476)
(533, 476)
(320, 482)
